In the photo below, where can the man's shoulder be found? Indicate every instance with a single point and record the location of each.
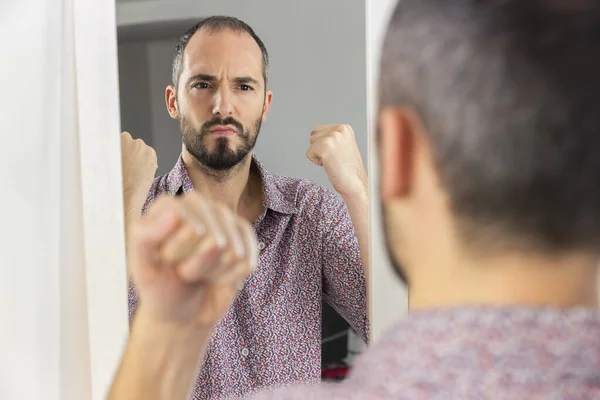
(304, 193)
(160, 184)
(158, 188)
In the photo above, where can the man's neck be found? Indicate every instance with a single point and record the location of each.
(509, 280)
(235, 190)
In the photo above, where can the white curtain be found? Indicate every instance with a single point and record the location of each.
(63, 316)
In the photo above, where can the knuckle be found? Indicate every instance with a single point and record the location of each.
(189, 233)
(344, 129)
(165, 203)
(136, 229)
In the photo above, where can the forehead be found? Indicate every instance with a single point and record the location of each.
(215, 52)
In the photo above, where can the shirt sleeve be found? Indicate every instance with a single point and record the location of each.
(132, 302)
(344, 282)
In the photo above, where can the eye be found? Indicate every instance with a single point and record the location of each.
(201, 85)
(245, 88)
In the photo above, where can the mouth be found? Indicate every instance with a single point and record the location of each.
(223, 131)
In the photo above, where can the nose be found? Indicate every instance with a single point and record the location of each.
(222, 102)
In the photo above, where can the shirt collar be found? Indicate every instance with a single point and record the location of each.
(274, 196)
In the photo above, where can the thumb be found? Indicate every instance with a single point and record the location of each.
(314, 155)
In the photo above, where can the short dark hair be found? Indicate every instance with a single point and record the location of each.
(509, 93)
(215, 24)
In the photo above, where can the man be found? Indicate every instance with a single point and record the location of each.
(313, 244)
(490, 184)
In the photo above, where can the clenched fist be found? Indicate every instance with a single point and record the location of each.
(188, 257)
(139, 164)
(334, 148)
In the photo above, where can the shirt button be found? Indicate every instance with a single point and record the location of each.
(261, 246)
(245, 352)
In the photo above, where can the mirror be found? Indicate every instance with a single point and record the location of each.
(309, 218)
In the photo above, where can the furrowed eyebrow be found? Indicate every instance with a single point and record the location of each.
(245, 79)
(211, 78)
(202, 77)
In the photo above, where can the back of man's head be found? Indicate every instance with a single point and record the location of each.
(509, 94)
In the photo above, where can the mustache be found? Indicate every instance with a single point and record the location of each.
(216, 121)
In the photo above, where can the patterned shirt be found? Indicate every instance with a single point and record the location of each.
(309, 252)
(474, 354)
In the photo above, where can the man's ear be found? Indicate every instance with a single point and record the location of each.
(171, 101)
(267, 105)
(396, 133)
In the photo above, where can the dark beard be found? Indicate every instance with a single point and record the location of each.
(222, 160)
(396, 267)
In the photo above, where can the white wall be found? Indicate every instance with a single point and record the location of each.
(134, 88)
(317, 73)
(389, 299)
